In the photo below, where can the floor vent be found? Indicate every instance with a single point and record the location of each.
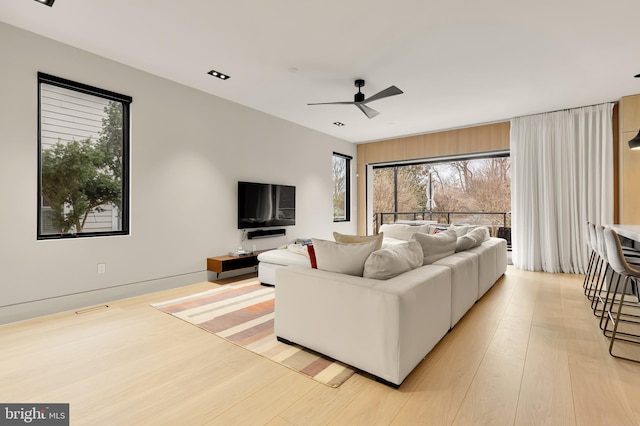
(91, 309)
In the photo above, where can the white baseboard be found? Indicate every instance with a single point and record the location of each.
(37, 308)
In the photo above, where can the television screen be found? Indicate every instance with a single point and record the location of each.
(262, 205)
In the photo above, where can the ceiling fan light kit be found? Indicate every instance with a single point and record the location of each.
(361, 102)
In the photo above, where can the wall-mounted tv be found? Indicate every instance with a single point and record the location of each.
(263, 204)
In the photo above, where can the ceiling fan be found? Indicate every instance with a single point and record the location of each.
(361, 102)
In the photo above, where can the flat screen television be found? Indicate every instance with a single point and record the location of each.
(263, 205)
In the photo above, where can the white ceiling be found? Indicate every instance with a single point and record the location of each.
(459, 62)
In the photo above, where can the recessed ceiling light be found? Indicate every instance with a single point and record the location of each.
(218, 74)
(47, 2)
(339, 124)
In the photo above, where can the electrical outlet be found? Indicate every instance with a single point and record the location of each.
(102, 268)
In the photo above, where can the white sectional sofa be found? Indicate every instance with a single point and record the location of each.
(381, 326)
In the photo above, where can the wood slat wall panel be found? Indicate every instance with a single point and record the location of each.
(629, 161)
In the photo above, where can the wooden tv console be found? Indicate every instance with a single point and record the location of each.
(230, 263)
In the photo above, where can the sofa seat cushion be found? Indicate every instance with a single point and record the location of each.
(493, 262)
(284, 257)
(464, 282)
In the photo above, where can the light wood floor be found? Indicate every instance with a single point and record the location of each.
(530, 352)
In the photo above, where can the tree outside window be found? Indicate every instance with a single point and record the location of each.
(83, 141)
(341, 188)
(479, 186)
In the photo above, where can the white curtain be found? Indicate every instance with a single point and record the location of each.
(562, 177)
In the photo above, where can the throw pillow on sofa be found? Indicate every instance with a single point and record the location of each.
(393, 260)
(350, 239)
(342, 257)
(436, 246)
(460, 229)
(472, 239)
(403, 232)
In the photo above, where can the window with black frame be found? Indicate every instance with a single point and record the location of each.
(341, 187)
(83, 160)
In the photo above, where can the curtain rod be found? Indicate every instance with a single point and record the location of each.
(566, 109)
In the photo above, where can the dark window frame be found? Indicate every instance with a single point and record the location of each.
(347, 184)
(125, 101)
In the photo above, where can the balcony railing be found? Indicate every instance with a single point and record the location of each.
(493, 220)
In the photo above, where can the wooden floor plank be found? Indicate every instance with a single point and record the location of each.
(493, 395)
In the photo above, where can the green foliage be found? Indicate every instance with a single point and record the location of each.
(79, 177)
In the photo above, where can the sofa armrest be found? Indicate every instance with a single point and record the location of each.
(382, 327)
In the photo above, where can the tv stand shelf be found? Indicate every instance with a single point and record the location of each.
(229, 263)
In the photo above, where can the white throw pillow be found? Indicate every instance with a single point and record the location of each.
(401, 231)
(481, 234)
(387, 241)
(465, 243)
(437, 246)
(393, 260)
(344, 258)
(472, 239)
(460, 229)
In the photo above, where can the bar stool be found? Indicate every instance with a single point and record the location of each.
(592, 256)
(602, 278)
(632, 256)
(596, 265)
(617, 260)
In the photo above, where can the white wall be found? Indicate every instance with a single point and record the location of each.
(188, 150)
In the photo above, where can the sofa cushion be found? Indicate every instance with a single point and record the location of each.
(285, 257)
(402, 231)
(436, 246)
(342, 257)
(460, 229)
(472, 238)
(350, 239)
(393, 260)
(391, 241)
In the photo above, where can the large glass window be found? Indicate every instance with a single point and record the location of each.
(341, 187)
(474, 190)
(83, 162)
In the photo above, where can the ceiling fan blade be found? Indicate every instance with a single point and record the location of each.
(389, 91)
(333, 103)
(369, 112)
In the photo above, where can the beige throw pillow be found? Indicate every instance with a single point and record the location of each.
(350, 239)
(342, 257)
(393, 260)
(437, 246)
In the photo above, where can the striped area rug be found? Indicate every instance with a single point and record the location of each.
(244, 314)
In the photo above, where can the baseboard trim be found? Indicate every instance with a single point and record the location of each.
(74, 302)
